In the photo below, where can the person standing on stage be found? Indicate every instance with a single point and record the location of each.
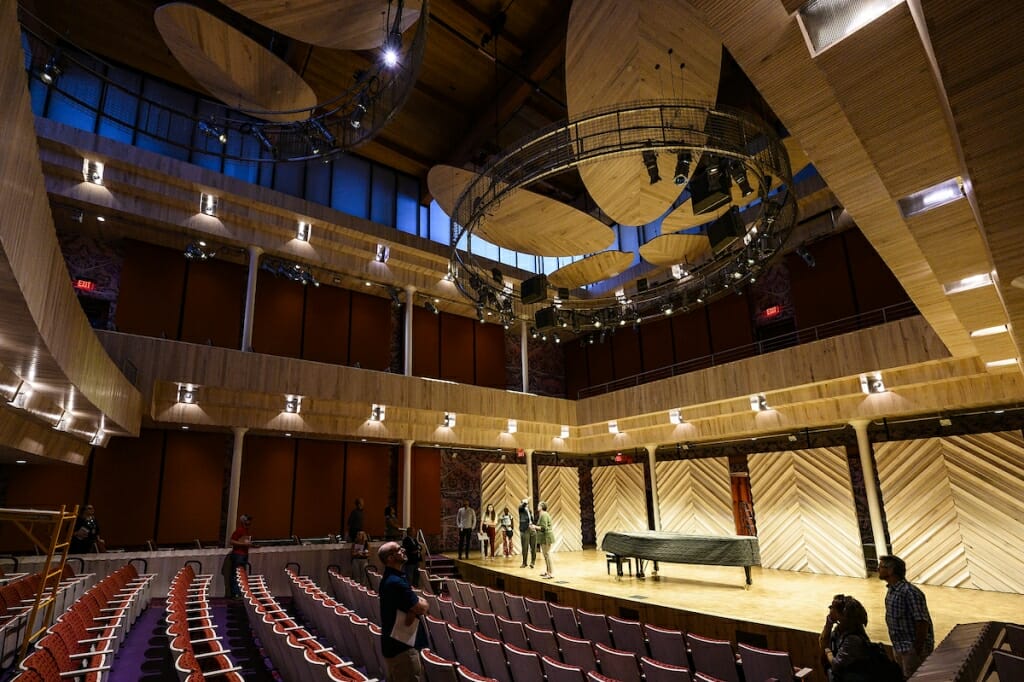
(527, 534)
(398, 601)
(906, 615)
(545, 537)
(355, 520)
(465, 519)
(507, 528)
(489, 527)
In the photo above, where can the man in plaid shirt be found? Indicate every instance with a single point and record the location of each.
(906, 615)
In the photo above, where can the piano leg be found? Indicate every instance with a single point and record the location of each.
(746, 569)
(639, 567)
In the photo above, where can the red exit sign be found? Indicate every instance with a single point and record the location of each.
(771, 312)
(84, 285)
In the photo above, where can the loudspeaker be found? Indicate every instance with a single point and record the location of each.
(709, 191)
(546, 318)
(535, 289)
(641, 285)
(724, 231)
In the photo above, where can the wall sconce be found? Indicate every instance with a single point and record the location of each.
(613, 427)
(187, 394)
(564, 433)
(513, 426)
(207, 204)
(871, 384)
(449, 420)
(758, 403)
(92, 171)
(63, 421)
(675, 416)
(303, 230)
(377, 412)
(383, 253)
(100, 439)
(292, 404)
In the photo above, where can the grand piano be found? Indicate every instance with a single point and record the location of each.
(653, 545)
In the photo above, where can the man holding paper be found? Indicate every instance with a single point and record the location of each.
(400, 609)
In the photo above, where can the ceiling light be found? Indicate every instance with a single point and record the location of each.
(184, 427)
(932, 197)
(759, 403)
(100, 438)
(613, 427)
(187, 394)
(945, 421)
(292, 404)
(101, 219)
(989, 331)
(675, 416)
(377, 412)
(303, 230)
(513, 426)
(826, 22)
(320, 139)
(51, 71)
(449, 420)
(564, 433)
(968, 283)
(871, 384)
(63, 420)
(682, 172)
(21, 461)
(207, 204)
(92, 171)
(1006, 362)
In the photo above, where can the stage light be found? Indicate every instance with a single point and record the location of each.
(292, 404)
(431, 308)
(207, 204)
(613, 427)
(377, 412)
(651, 164)
(564, 433)
(51, 71)
(210, 129)
(739, 176)
(758, 403)
(683, 160)
(187, 394)
(303, 231)
(449, 420)
(92, 171)
(320, 138)
(675, 416)
(383, 253)
(355, 119)
(871, 384)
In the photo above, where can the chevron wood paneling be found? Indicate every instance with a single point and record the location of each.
(560, 488)
(806, 519)
(695, 497)
(620, 499)
(955, 508)
(504, 485)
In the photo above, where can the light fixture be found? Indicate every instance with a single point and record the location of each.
(21, 461)
(292, 404)
(564, 433)
(651, 164)
(99, 439)
(791, 438)
(184, 427)
(430, 307)
(513, 426)
(989, 331)
(682, 172)
(207, 204)
(806, 256)
(257, 132)
(871, 384)
(826, 22)
(666, 308)
(678, 272)
(675, 416)
(480, 314)
(20, 395)
(932, 197)
(320, 139)
(383, 253)
(52, 70)
(1006, 362)
(613, 427)
(968, 283)
(101, 219)
(739, 176)
(377, 412)
(759, 403)
(945, 421)
(302, 231)
(92, 171)
(449, 420)
(355, 119)
(199, 250)
(187, 394)
(210, 129)
(63, 420)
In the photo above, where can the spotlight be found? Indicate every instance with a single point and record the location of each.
(759, 403)
(449, 420)
(383, 253)
(871, 384)
(666, 308)
(302, 233)
(683, 160)
(355, 119)
(430, 307)
(320, 138)
(564, 433)
(651, 164)
(480, 314)
(613, 427)
(377, 412)
(806, 255)
(92, 171)
(207, 204)
(187, 394)
(534, 333)
(395, 300)
(292, 404)
(679, 271)
(558, 339)
(264, 141)
(392, 49)
(739, 176)
(210, 129)
(52, 70)
(199, 250)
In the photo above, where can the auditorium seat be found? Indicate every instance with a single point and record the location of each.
(480, 598)
(466, 675)
(618, 664)
(667, 646)
(564, 619)
(465, 592)
(437, 668)
(465, 617)
(488, 624)
(576, 651)
(539, 615)
(542, 641)
(447, 607)
(556, 671)
(465, 647)
(513, 632)
(760, 665)
(1014, 638)
(440, 642)
(496, 599)
(1009, 666)
(594, 627)
(657, 671)
(594, 676)
(628, 635)
(517, 608)
(524, 664)
(433, 605)
(492, 657)
(713, 657)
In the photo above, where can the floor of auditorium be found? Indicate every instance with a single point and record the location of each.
(787, 599)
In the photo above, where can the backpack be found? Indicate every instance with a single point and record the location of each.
(876, 666)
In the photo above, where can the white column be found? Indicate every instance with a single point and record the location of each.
(651, 449)
(524, 354)
(236, 481)
(867, 465)
(407, 483)
(409, 300)
(529, 474)
(250, 296)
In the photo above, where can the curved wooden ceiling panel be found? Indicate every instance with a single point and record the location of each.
(673, 249)
(232, 67)
(337, 24)
(617, 53)
(525, 221)
(591, 269)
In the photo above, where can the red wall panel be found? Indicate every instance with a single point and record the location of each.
(426, 338)
(490, 356)
(128, 469)
(319, 479)
(875, 285)
(277, 316)
(457, 348)
(599, 358)
(214, 303)
(822, 293)
(626, 351)
(152, 283)
(195, 465)
(47, 485)
(426, 490)
(370, 332)
(326, 325)
(656, 344)
(268, 467)
(368, 475)
(690, 334)
(576, 377)
(730, 323)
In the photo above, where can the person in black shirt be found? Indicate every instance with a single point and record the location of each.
(413, 556)
(401, 660)
(355, 520)
(527, 535)
(86, 537)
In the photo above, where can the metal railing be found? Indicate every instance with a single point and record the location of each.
(873, 318)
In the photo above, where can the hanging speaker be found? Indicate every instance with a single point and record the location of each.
(535, 289)
(724, 231)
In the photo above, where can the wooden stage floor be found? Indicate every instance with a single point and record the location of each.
(787, 599)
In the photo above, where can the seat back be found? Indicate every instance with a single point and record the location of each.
(492, 657)
(628, 635)
(564, 619)
(466, 675)
(464, 616)
(618, 664)
(657, 671)
(1014, 637)
(713, 657)
(576, 651)
(480, 598)
(517, 608)
(1009, 666)
(524, 665)
(542, 641)
(765, 664)
(513, 632)
(447, 607)
(465, 647)
(433, 605)
(437, 668)
(425, 581)
(539, 615)
(465, 591)
(487, 623)
(496, 599)
(667, 646)
(440, 642)
(556, 671)
(594, 627)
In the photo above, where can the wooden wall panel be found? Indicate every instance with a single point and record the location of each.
(691, 335)
(426, 490)
(214, 301)
(729, 322)
(195, 466)
(326, 325)
(626, 353)
(806, 519)
(489, 347)
(277, 316)
(368, 475)
(560, 488)
(45, 485)
(268, 470)
(457, 362)
(576, 377)
(426, 344)
(152, 284)
(599, 358)
(620, 499)
(822, 293)
(874, 284)
(955, 508)
(656, 344)
(370, 333)
(504, 485)
(127, 469)
(319, 482)
(694, 496)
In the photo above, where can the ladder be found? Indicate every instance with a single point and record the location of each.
(50, 531)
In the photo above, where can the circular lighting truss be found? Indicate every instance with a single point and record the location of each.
(341, 123)
(714, 150)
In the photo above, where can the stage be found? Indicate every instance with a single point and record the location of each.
(786, 607)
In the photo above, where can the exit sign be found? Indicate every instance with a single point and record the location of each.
(84, 285)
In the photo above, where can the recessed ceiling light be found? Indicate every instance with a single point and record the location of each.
(100, 219)
(184, 427)
(21, 461)
(968, 283)
(989, 331)
(931, 197)
(288, 435)
(1006, 362)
